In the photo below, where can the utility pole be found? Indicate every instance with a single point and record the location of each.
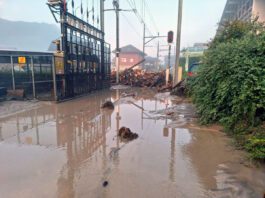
(117, 10)
(143, 18)
(144, 45)
(102, 27)
(102, 15)
(151, 38)
(170, 38)
(168, 65)
(157, 61)
(144, 39)
(187, 56)
(176, 72)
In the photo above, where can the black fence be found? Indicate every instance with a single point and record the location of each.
(85, 55)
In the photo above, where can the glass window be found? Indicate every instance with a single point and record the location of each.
(123, 60)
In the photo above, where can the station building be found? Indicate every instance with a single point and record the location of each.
(130, 56)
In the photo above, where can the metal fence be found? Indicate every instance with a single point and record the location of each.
(38, 75)
(30, 72)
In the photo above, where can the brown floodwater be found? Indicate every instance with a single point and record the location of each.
(70, 149)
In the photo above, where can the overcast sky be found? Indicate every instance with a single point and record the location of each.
(200, 18)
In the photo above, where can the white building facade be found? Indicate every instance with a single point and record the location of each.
(244, 10)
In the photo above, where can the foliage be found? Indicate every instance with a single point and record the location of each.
(192, 60)
(230, 86)
(256, 146)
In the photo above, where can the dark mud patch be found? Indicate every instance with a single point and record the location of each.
(108, 105)
(126, 135)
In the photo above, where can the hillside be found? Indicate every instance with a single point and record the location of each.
(27, 35)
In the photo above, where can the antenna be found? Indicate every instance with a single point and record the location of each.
(82, 11)
(73, 6)
(87, 13)
(93, 12)
(97, 15)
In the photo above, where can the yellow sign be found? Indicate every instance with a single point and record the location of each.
(22, 60)
(59, 65)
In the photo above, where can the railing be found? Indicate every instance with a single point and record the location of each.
(32, 74)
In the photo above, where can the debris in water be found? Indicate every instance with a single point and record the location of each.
(105, 184)
(126, 134)
(108, 105)
(169, 113)
(124, 95)
(180, 89)
(140, 78)
(165, 88)
(18, 94)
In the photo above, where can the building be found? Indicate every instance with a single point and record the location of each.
(151, 64)
(130, 56)
(196, 49)
(188, 56)
(243, 10)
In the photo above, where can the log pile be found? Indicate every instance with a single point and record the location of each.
(140, 78)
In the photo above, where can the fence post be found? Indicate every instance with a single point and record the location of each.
(54, 78)
(33, 78)
(13, 73)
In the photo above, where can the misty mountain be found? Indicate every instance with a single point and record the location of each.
(29, 36)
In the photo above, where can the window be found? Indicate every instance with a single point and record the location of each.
(123, 60)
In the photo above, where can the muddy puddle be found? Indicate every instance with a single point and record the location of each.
(72, 150)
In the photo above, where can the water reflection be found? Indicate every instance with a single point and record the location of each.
(172, 162)
(80, 129)
(165, 161)
(88, 136)
(1, 135)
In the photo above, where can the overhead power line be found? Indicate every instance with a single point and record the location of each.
(131, 25)
(151, 16)
(140, 17)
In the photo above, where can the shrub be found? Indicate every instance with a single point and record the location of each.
(256, 146)
(230, 86)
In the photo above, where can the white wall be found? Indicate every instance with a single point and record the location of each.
(259, 9)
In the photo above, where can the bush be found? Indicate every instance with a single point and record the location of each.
(230, 86)
(256, 146)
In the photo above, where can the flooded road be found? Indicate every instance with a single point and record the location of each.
(70, 149)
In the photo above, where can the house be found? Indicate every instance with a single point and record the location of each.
(130, 56)
(188, 56)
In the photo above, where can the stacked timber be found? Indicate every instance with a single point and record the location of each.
(140, 78)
